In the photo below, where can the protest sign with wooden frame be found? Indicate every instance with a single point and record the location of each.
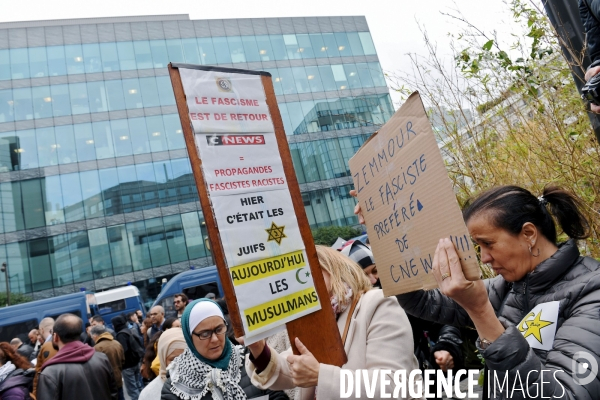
(318, 330)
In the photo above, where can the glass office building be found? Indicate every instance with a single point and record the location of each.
(96, 189)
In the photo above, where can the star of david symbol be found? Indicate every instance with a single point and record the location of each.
(275, 233)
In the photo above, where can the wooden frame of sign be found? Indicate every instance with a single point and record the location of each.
(318, 330)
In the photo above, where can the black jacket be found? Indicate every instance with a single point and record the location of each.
(133, 350)
(589, 11)
(25, 350)
(566, 277)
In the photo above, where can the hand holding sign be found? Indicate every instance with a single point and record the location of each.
(304, 368)
(448, 273)
(357, 209)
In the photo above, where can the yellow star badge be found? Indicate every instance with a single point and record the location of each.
(275, 233)
(534, 326)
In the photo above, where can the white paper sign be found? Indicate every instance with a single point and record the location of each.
(539, 325)
(257, 226)
(225, 102)
(274, 290)
(240, 163)
(248, 191)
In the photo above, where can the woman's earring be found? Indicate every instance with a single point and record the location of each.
(534, 255)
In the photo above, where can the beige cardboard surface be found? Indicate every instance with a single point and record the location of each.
(408, 203)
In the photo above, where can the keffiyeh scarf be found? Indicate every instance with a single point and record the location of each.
(192, 379)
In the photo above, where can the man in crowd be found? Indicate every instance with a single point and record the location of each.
(180, 300)
(134, 324)
(34, 340)
(22, 348)
(86, 337)
(134, 353)
(47, 351)
(97, 320)
(106, 344)
(157, 315)
(76, 371)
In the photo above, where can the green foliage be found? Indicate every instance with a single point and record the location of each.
(327, 235)
(530, 126)
(15, 298)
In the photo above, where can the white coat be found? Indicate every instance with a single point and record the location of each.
(379, 338)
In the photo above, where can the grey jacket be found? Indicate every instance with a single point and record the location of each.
(566, 277)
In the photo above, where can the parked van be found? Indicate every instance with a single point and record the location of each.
(18, 320)
(195, 284)
(119, 301)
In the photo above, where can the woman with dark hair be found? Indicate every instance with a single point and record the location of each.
(150, 355)
(538, 321)
(15, 378)
(171, 323)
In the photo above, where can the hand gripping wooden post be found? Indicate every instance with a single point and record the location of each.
(318, 330)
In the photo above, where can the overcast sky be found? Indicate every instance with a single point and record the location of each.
(393, 23)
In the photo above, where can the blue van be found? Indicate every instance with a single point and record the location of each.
(119, 301)
(18, 320)
(195, 284)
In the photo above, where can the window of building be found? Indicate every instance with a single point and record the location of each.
(38, 62)
(222, 50)
(143, 54)
(126, 56)
(19, 63)
(160, 57)
(110, 57)
(57, 65)
(74, 58)
(190, 51)
(91, 57)
(61, 102)
(236, 49)
(100, 253)
(367, 43)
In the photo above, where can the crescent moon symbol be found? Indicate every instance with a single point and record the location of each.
(297, 277)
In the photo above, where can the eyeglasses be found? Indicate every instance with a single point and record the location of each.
(178, 301)
(219, 331)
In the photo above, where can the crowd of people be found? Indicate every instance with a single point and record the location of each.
(195, 356)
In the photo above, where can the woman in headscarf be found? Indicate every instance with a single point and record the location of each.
(211, 367)
(168, 324)
(170, 345)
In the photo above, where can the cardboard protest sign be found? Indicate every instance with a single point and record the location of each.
(407, 201)
(259, 233)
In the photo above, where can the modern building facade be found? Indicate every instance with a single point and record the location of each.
(96, 189)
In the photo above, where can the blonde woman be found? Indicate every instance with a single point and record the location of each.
(375, 331)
